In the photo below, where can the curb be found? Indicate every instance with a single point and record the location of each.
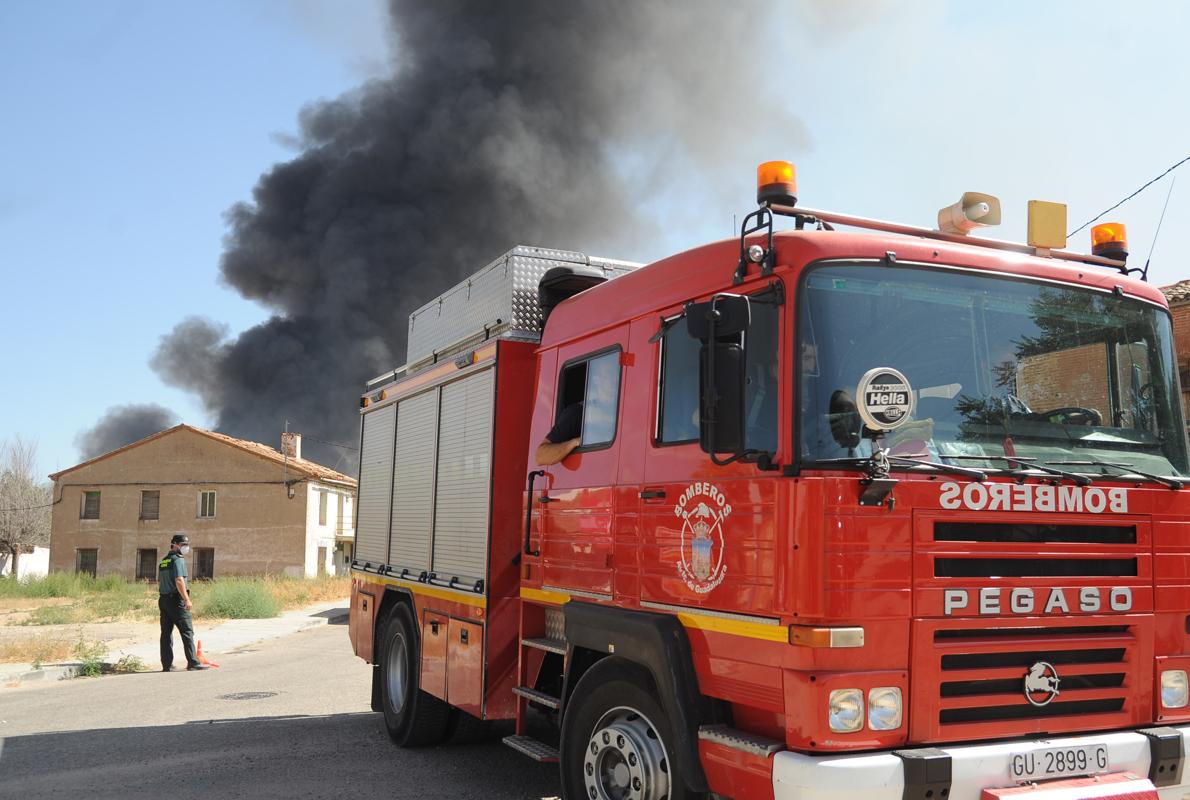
(52, 672)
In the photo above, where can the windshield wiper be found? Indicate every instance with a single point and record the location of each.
(1172, 483)
(868, 464)
(1030, 463)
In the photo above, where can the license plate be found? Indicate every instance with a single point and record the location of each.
(1056, 762)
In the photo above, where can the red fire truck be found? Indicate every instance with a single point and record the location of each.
(890, 512)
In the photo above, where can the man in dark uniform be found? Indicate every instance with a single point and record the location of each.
(563, 437)
(175, 604)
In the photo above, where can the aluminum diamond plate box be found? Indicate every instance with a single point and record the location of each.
(498, 301)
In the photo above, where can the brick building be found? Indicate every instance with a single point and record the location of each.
(1178, 296)
(247, 508)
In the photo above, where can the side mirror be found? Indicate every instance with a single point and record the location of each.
(718, 324)
(721, 398)
(721, 316)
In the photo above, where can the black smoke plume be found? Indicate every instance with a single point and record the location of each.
(502, 123)
(121, 425)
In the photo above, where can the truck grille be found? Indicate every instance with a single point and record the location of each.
(976, 689)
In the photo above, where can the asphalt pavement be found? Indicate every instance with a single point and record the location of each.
(287, 718)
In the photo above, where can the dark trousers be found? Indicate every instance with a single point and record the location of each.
(174, 614)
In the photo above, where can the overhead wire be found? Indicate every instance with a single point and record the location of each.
(1129, 197)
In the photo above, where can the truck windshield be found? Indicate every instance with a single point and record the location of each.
(997, 367)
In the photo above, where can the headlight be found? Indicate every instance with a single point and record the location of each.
(884, 708)
(1175, 689)
(846, 710)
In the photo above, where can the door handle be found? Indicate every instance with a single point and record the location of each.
(652, 494)
(546, 499)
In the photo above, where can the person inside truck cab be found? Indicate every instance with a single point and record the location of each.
(563, 437)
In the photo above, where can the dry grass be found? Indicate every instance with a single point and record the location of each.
(298, 592)
(59, 599)
(38, 650)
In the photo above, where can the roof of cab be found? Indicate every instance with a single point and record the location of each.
(702, 270)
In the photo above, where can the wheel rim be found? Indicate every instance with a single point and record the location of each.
(398, 673)
(625, 758)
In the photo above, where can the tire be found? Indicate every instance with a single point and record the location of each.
(617, 743)
(413, 718)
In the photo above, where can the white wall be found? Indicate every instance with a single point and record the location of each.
(324, 535)
(33, 564)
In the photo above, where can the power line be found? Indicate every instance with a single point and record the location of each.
(332, 444)
(1129, 197)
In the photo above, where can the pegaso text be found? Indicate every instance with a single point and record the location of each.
(1088, 600)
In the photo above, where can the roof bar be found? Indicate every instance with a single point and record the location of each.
(812, 215)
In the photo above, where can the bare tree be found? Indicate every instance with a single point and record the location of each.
(24, 501)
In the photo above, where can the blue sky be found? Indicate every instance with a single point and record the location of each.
(128, 128)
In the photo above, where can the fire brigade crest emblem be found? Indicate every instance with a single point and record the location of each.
(702, 509)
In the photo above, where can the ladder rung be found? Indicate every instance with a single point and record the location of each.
(538, 751)
(549, 645)
(547, 700)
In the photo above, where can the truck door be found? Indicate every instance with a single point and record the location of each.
(708, 532)
(579, 500)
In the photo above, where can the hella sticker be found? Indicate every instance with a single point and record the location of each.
(884, 399)
(1033, 497)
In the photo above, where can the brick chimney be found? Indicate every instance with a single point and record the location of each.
(291, 445)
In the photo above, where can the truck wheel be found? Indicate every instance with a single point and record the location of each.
(413, 718)
(617, 743)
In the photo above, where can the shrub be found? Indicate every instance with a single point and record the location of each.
(130, 664)
(234, 598)
(90, 654)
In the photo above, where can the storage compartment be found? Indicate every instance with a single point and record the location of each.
(465, 679)
(360, 623)
(435, 631)
(375, 479)
(499, 300)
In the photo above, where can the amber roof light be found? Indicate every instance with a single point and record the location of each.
(1110, 240)
(776, 182)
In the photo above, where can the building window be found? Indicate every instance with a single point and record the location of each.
(206, 505)
(85, 560)
(146, 564)
(591, 386)
(322, 508)
(204, 562)
(150, 505)
(90, 505)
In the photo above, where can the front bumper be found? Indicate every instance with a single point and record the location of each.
(973, 768)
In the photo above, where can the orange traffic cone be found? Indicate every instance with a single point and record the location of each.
(203, 659)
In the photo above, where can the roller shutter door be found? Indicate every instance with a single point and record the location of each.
(464, 477)
(413, 482)
(375, 483)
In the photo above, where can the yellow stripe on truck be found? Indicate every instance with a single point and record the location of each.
(702, 622)
(466, 598)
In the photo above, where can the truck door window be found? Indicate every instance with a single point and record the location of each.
(760, 388)
(678, 387)
(678, 384)
(593, 384)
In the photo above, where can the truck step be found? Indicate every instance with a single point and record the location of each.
(538, 751)
(740, 740)
(547, 700)
(549, 645)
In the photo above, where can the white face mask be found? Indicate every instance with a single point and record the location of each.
(184, 549)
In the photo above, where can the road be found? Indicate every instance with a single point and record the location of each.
(303, 730)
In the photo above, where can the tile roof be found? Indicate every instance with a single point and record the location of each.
(1177, 292)
(303, 467)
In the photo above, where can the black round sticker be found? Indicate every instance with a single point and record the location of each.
(884, 398)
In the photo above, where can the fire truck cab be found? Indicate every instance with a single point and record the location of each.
(895, 513)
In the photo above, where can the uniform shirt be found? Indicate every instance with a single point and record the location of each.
(568, 426)
(171, 567)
